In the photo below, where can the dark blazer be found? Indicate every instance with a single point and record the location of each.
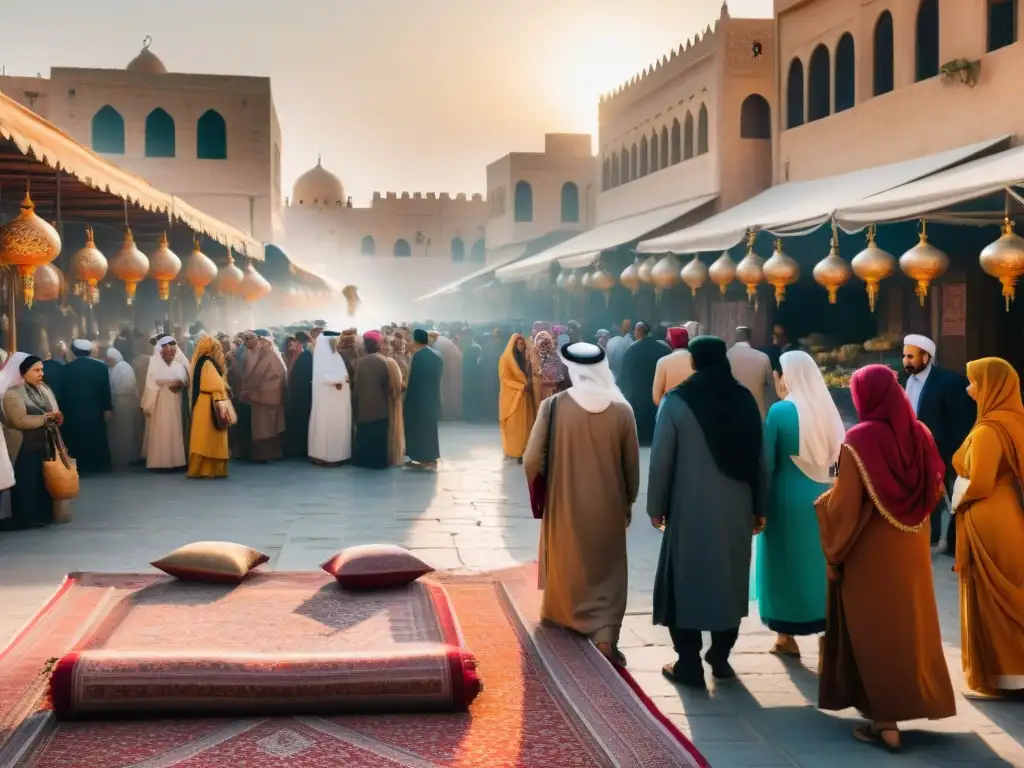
(948, 411)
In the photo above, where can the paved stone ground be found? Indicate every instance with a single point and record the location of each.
(475, 513)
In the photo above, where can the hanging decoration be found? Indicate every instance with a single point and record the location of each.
(229, 278)
(130, 265)
(832, 272)
(780, 271)
(351, 294)
(585, 281)
(560, 280)
(1004, 260)
(253, 286)
(630, 277)
(164, 266)
(665, 274)
(873, 265)
(49, 281)
(694, 274)
(750, 271)
(603, 281)
(722, 272)
(88, 267)
(646, 269)
(924, 263)
(28, 242)
(573, 284)
(199, 270)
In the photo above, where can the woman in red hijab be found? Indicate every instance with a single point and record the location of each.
(882, 651)
(672, 370)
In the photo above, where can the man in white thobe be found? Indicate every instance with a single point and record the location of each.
(164, 403)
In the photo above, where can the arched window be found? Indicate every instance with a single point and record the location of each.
(633, 161)
(655, 156)
(755, 118)
(702, 130)
(159, 134)
(884, 77)
(402, 248)
(927, 38)
(606, 174)
(368, 247)
(795, 94)
(108, 131)
(614, 162)
(570, 202)
(677, 141)
(523, 201)
(819, 86)
(458, 250)
(1002, 23)
(623, 166)
(211, 136)
(478, 253)
(688, 136)
(645, 156)
(846, 73)
(664, 147)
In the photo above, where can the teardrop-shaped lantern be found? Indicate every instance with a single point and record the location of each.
(602, 280)
(573, 284)
(780, 271)
(832, 272)
(199, 270)
(873, 265)
(48, 282)
(750, 270)
(630, 277)
(1004, 260)
(130, 265)
(229, 278)
(722, 272)
(694, 274)
(560, 280)
(164, 266)
(924, 263)
(665, 274)
(585, 281)
(88, 266)
(28, 242)
(253, 286)
(646, 269)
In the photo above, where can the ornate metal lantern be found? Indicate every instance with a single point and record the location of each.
(630, 277)
(199, 271)
(586, 282)
(1004, 260)
(28, 242)
(832, 272)
(229, 278)
(722, 272)
(253, 286)
(89, 266)
(49, 281)
(780, 271)
(924, 263)
(164, 266)
(603, 281)
(573, 284)
(560, 280)
(665, 274)
(694, 274)
(750, 271)
(873, 265)
(130, 265)
(646, 269)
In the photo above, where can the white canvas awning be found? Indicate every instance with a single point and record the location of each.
(584, 249)
(803, 205)
(510, 254)
(978, 178)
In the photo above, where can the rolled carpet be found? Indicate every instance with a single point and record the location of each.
(411, 678)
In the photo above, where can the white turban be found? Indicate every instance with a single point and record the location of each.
(163, 341)
(82, 345)
(921, 342)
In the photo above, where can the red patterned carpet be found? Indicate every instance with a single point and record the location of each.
(549, 697)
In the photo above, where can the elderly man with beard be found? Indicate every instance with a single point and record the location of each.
(262, 390)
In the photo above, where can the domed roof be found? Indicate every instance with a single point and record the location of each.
(318, 186)
(147, 62)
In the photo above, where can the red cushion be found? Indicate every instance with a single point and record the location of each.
(375, 566)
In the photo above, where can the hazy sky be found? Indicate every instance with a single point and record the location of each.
(415, 95)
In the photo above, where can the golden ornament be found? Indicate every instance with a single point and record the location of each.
(722, 271)
(780, 271)
(694, 274)
(646, 268)
(924, 263)
(229, 278)
(351, 294)
(873, 265)
(253, 286)
(832, 272)
(585, 281)
(750, 271)
(1004, 260)
(164, 266)
(88, 267)
(199, 270)
(560, 280)
(630, 277)
(573, 282)
(130, 265)
(602, 280)
(28, 242)
(49, 281)
(665, 274)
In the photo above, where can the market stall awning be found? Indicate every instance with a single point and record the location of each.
(802, 205)
(32, 135)
(584, 249)
(978, 178)
(512, 254)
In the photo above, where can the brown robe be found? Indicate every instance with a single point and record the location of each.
(263, 385)
(882, 650)
(396, 428)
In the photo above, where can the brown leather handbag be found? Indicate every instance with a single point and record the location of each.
(60, 471)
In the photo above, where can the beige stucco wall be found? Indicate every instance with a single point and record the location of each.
(916, 118)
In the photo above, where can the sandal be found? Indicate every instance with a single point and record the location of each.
(869, 735)
(786, 649)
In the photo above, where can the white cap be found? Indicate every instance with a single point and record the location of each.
(921, 342)
(82, 345)
(165, 340)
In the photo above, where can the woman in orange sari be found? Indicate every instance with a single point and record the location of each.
(517, 401)
(990, 532)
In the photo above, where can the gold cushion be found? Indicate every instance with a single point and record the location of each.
(217, 561)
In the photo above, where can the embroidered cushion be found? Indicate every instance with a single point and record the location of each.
(375, 566)
(211, 561)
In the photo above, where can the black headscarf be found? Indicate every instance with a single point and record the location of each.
(726, 411)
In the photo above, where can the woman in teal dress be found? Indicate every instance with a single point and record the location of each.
(802, 437)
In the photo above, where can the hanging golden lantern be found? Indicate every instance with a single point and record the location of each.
(694, 274)
(164, 266)
(722, 272)
(873, 265)
(560, 280)
(603, 281)
(665, 274)
(573, 284)
(832, 272)
(49, 281)
(28, 242)
(630, 277)
(199, 270)
(750, 271)
(130, 265)
(351, 294)
(924, 263)
(253, 286)
(780, 271)
(646, 269)
(1004, 260)
(88, 267)
(585, 281)
(228, 279)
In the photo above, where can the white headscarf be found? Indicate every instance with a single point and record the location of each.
(122, 375)
(10, 376)
(328, 366)
(821, 427)
(159, 371)
(593, 384)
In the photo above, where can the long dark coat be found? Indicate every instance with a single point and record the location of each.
(422, 408)
(84, 396)
(298, 405)
(637, 383)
